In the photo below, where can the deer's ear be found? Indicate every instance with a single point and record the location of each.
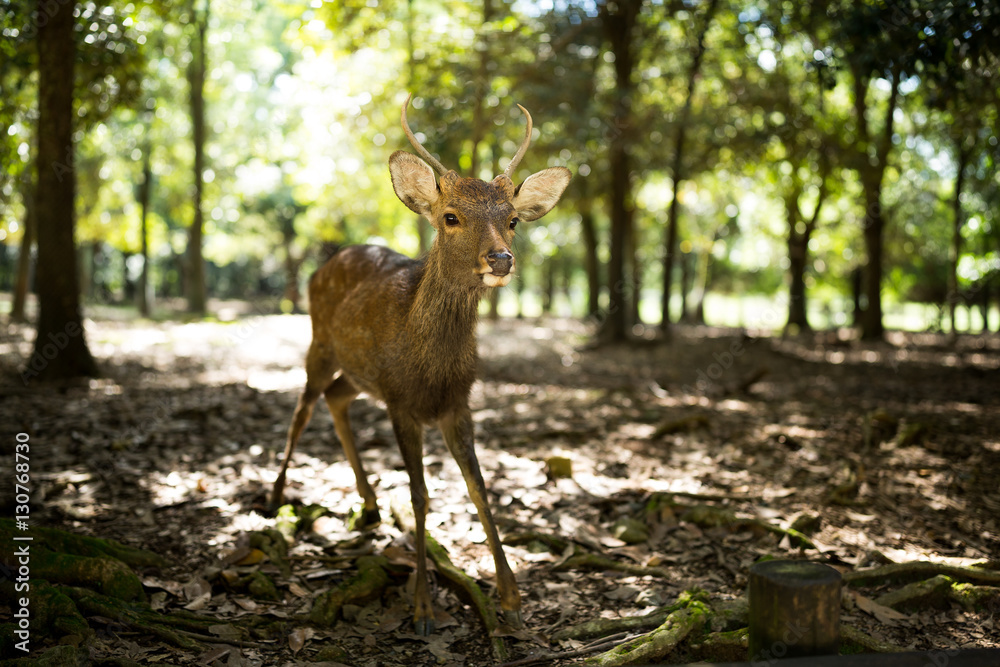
(414, 182)
(540, 192)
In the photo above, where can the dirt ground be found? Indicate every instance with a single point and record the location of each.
(176, 447)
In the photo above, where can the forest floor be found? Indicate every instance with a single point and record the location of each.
(175, 448)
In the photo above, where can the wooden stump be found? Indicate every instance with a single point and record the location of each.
(794, 609)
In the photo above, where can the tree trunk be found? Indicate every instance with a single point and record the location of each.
(549, 290)
(677, 167)
(636, 281)
(704, 274)
(685, 262)
(590, 262)
(871, 316)
(60, 347)
(963, 155)
(619, 22)
(195, 288)
(142, 296)
(798, 249)
(482, 84)
(871, 182)
(23, 280)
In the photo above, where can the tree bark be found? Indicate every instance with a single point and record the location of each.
(619, 21)
(677, 167)
(23, 279)
(195, 288)
(798, 255)
(591, 265)
(962, 155)
(142, 295)
(60, 347)
(871, 182)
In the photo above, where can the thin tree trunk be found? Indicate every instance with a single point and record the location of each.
(143, 296)
(798, 255)
(60, 346)
(704, 281)
(871, 181)
(633, 253)
(677, 166)
(685, 262)
(590, 262)
(956, 236)
(195, 286)
(23, 280)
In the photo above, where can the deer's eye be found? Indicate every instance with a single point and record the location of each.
(513, 223)
(450, 219)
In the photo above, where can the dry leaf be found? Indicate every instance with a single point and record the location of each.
(297, 639)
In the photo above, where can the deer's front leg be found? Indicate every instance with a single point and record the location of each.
(458, 434)
(409, 435)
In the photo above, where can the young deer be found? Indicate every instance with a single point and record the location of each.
(404, 332)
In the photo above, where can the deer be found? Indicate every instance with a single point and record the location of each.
(403, 331)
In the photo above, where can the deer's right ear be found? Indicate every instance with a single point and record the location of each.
(414, 182)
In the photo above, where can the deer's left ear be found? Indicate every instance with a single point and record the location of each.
(540, 192)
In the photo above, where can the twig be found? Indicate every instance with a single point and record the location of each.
(210, 639)
(602, 644)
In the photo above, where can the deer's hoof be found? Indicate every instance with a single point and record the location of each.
(371, 517)
(513, 618)
(363, 519)
(423, 627)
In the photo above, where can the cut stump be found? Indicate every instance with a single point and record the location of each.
(794, 609)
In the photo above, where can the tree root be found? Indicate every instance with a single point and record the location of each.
(609, 626)
(368, 584)
(469, 590)
(938, 592)
(659, 643)
(81, 545)
(854, 640)
(907, 572)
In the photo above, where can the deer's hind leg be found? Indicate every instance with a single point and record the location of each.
(321, 364)
(339, 396)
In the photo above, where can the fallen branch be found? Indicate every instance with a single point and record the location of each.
(659, 643)
(603, 563)
(470, 591)
(609, 626)
(907, 572)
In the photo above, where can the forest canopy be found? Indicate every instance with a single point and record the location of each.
(765, 164)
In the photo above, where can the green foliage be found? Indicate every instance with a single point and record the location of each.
(303, 99)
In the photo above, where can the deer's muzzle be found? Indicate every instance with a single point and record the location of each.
(500, 262)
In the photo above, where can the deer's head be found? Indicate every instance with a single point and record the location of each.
(475, 220)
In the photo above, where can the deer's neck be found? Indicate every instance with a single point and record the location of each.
(443, 322)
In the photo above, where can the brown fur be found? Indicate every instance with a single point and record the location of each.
(404, 332)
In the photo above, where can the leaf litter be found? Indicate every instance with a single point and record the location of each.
(705, 450)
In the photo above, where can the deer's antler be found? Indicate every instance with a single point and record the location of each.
(421, 151)
(524, 145)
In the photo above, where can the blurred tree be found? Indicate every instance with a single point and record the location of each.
(60, 345)
(958, 65)
(619, 20)
(195, 288)
(698, 28)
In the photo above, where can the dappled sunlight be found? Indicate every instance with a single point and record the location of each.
(194, 445)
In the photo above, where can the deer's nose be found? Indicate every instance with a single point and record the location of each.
(500, 261)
